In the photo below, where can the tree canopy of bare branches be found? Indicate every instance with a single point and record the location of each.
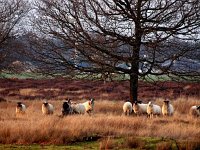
(138, 38)
(11, 13)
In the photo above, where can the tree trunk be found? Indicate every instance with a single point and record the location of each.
(133, 87)
(134, 73)
(136, 51)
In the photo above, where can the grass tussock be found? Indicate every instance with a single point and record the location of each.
(185, 145)
(107, 143)
(106, 121)
(164, 146)
(135, 143)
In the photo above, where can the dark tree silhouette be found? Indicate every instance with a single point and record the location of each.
(139, 38)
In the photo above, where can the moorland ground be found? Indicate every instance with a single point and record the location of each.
(107, 119)
(60, 88)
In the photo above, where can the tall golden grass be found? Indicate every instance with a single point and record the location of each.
(107, 120)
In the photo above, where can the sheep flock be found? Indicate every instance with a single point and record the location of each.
(150, 109)
(138, 108)
(67, 108)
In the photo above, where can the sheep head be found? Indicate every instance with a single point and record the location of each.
(150, 104)
(92, 100)
(68, 100)
(135, 107)
(45, 104)
(66, 105)
(166, 102)
(19, 104)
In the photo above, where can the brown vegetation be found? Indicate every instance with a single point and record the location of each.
(107, 120)
(58, 89)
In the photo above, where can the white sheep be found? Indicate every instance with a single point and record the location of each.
(195, 111)
(78, 108)
(47, 108)
(20, 108)
(82, 108)
(127, 108)
(139, 108)
(153, 109)
(167, 108)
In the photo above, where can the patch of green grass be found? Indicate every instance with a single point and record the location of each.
(125, 143)
(153, 78)
(74, 146)
(84, 145)
(19, 147)
(151, 142)
(24, 75)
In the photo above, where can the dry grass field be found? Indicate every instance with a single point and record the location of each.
(106, 120)
(105, 124)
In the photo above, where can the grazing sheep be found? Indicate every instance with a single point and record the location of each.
(195, 111)
(20, 108)
(66, 107)
(89, 105)
(78, 109)
(139, 108)
(82, 108)
(153, 109)
(167, 108)
(47, 108)
(127, 108)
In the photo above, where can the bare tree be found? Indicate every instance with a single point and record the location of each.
(138, 38)
(11, 13)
